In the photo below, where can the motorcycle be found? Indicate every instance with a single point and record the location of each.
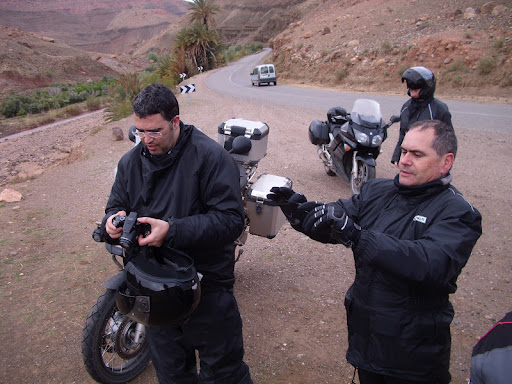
(114, 347)
(349, 144)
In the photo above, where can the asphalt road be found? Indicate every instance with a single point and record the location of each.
(234, 80)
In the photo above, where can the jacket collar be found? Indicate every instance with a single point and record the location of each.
(432, 187)
(153, 165)
(163, 161)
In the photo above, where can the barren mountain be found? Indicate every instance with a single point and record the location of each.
(357, 45)
(28, 61)
(107, 26)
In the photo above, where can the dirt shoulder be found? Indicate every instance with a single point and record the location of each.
(290, 289)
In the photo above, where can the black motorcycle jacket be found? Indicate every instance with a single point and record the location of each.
(414, 243)
(416, 110)
(196, 188)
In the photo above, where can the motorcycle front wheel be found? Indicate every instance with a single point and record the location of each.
(365, 172)
(110, 354)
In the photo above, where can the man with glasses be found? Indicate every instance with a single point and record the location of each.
(421, 85)
(186, 187)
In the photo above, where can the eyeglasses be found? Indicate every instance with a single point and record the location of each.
(151, 134)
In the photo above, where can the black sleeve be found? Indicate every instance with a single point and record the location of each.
(223, 217)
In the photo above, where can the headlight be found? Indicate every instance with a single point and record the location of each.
(377, 140)
(362, 138)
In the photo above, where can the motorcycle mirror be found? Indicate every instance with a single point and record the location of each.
(395, 119)
(241, 145)
(131, 134)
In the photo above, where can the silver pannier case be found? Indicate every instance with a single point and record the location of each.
(254, 130)
(265, 217)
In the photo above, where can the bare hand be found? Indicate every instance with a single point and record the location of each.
(159, 229)
(113, 232)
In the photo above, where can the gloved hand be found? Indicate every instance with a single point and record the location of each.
(330, 223)
(288, 200)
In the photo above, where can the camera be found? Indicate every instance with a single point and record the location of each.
(131, 229)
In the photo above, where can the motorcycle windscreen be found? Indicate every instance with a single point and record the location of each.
(366, 113)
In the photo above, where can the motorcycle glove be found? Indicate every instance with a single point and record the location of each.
(331, 223)
(288, 200)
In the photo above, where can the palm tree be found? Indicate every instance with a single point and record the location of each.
(203, 11)
(197, 44)
(203, 41)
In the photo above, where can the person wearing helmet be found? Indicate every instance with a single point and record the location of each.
(421, 85)
(184, 186)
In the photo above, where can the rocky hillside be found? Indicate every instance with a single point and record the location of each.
(29, 60)
(365, 45)
(357, 45)
(106, 26)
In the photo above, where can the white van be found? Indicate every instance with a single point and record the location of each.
(265, 73)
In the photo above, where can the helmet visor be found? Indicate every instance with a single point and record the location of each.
(413, 86)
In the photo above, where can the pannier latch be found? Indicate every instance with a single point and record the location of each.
(259, 204)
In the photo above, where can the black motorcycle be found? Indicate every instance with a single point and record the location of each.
(349, 143)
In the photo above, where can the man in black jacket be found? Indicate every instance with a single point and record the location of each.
(421, 85)
(410, 237)
(186, 187)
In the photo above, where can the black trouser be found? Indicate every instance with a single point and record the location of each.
(367, 377)
(215, 331)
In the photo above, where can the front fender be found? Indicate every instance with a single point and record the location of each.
(366, 159)
(115, 282)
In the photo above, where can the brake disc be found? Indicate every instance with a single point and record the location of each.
(126, 347)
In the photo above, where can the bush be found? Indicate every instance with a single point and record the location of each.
(92, 103)
(486, 65)
(457, 80)
(340, 74)
(235, 52)
(402, 69)
(457, 66)
(153, 57)
(56, 96)
(10, 106)
(498, 44)
(386, 46)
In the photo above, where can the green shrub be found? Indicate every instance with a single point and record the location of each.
(486, 65)
(402, 69)
(152, 56)
(340, 74)
(386, 46)
(53, 97)
(498, 44)
(92, 103)
(10, 106)
(457, 80)
(457, 66)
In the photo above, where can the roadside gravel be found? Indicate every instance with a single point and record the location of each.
(290, 289)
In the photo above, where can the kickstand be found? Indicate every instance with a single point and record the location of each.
(240, 251)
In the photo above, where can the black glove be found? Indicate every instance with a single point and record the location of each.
(288, 200)
(330, 223)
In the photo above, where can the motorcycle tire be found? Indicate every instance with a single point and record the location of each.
(329, 171)
(365, 172)
(110, 355)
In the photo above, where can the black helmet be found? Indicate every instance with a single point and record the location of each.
(159, 293)
(420, 78)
